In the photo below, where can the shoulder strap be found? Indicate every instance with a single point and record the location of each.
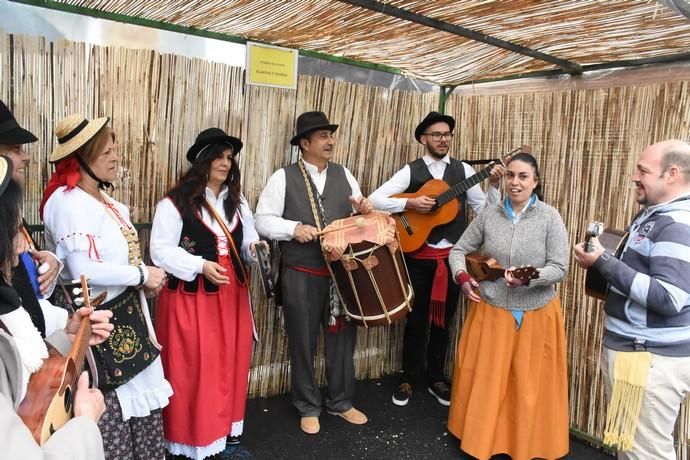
(231, 241)
(309, 184)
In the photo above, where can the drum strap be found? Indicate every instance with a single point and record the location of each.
(335, 309)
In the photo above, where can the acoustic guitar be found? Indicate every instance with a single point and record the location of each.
(47, 405)
(483, 267)
(613, 242)
(414, 227)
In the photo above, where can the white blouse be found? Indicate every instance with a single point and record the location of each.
(167, 228)
(87, 238)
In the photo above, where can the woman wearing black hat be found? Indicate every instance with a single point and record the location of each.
(203, 231)
(93, 235)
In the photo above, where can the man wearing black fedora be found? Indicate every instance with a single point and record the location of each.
(35, 276)
(297, 201)
(436, 295)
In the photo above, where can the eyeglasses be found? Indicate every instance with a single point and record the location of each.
(436, 136)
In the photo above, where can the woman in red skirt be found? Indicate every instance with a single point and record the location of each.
(202, 232)
(510, 383)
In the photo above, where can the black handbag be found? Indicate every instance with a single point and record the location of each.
(129, 349)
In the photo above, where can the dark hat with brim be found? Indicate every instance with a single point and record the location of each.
(309, 122)
(213, 136)
(6, 168)
(10, 131)
(430, 119)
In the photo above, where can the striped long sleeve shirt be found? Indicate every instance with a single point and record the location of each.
(648, 305)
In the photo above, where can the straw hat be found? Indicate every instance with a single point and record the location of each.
(5, 172)
(74, 132)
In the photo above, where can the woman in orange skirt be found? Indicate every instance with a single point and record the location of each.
(510, 387)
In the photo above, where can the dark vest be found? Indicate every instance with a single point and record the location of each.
(298, 208)
(22, 284)
(454, 173)
(198, 239)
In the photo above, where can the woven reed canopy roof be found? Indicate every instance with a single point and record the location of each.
(429, 39)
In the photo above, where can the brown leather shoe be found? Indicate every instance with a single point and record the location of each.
(352, 415)
(310, 425)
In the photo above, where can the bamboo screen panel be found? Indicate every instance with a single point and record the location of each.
(586, 143)
(159, 103)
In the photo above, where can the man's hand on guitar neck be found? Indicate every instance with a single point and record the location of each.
(587, 259)
(421, 204)
(100, 324)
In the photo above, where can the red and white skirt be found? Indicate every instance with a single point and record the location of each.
(207, 342)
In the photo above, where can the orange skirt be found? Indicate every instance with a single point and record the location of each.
(510, 386)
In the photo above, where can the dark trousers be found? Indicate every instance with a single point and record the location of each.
(306, 306)
(423, 363)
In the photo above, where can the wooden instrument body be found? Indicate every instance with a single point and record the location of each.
(49, 398)
(373, 284)
(422, 224)
(50, 394)
(482, 268)
(595, 284)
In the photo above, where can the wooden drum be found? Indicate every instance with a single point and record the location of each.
(367, 267)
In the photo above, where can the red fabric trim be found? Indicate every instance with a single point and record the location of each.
(337, 327)
(439, 287)
(462, 278)
(323, 271)
(66, 173)
(92, 248)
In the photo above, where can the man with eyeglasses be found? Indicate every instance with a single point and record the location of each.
(436, 295)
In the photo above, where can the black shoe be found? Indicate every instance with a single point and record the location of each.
(402, 395)
(441, 392)
(232, 440)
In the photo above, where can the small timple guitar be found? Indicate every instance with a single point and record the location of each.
(483, 268)
(613, 242)
(47, 405)
(414, 227)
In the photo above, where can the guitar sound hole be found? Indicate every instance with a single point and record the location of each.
(68, 399)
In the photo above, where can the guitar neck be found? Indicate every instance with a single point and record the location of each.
(81, 341)
(461, 187)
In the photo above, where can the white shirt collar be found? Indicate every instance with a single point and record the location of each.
(429, 160)
(212, 196)
(313, 169)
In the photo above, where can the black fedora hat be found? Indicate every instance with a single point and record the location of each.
(212, 136)
(10, 131)
(6, 168)
(430, 119)
(311, 121)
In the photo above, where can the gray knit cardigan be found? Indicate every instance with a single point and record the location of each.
(538, 239)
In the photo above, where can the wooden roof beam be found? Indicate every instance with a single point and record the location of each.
(400, 13)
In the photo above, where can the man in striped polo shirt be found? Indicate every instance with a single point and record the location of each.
(648, 306)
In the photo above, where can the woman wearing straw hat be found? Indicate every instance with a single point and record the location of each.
(510, 383)
(203, 231)
(92, 234)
